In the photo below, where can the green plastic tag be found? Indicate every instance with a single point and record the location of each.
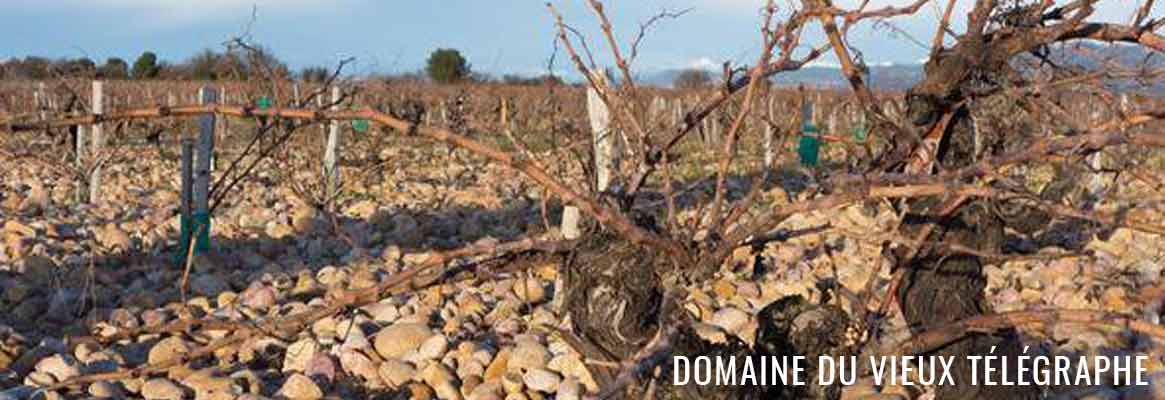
(263, 103)
(809, 146)
(860, 133)
(360, 125)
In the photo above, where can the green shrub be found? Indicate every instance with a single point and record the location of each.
(447, 66)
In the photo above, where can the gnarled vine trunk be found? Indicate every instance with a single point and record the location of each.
(939, 288)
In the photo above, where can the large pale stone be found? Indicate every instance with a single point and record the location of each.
(299, 387)
(397, 340)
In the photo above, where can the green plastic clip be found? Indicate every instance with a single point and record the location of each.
(860, 133)
(360, 125)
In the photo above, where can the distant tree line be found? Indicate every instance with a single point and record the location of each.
(205, 65)
(444, 65)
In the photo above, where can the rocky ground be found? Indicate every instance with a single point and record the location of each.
(70, 271)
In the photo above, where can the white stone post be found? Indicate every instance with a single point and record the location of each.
(98, 141)
(331, 172)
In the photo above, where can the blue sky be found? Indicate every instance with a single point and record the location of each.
(498, 36)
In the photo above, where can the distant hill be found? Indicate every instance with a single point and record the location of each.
(1082, 55)
(1093, 56)
(883, 77)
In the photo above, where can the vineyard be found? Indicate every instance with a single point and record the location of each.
(370, 238)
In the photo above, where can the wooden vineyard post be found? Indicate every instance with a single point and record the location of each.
(320, 104)
(53, 105)
(330, 172)
(81, 195)
(222, 127)
(705, 130)
(187, 171)
(505, 115)
(570, 223)
(832, 126)
(39, 100)
(200, 225)
(606, 157)
(717, 131)
(605, 141)
(82, 192)
(657, 111)
(710, 130)
(770, 153)
(97, 142)
(187, 199)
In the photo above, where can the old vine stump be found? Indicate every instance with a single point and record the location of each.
(940, 287)
(613, 295)
(615, 298)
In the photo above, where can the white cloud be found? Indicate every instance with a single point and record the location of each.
(703, 63)
(824, 63)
